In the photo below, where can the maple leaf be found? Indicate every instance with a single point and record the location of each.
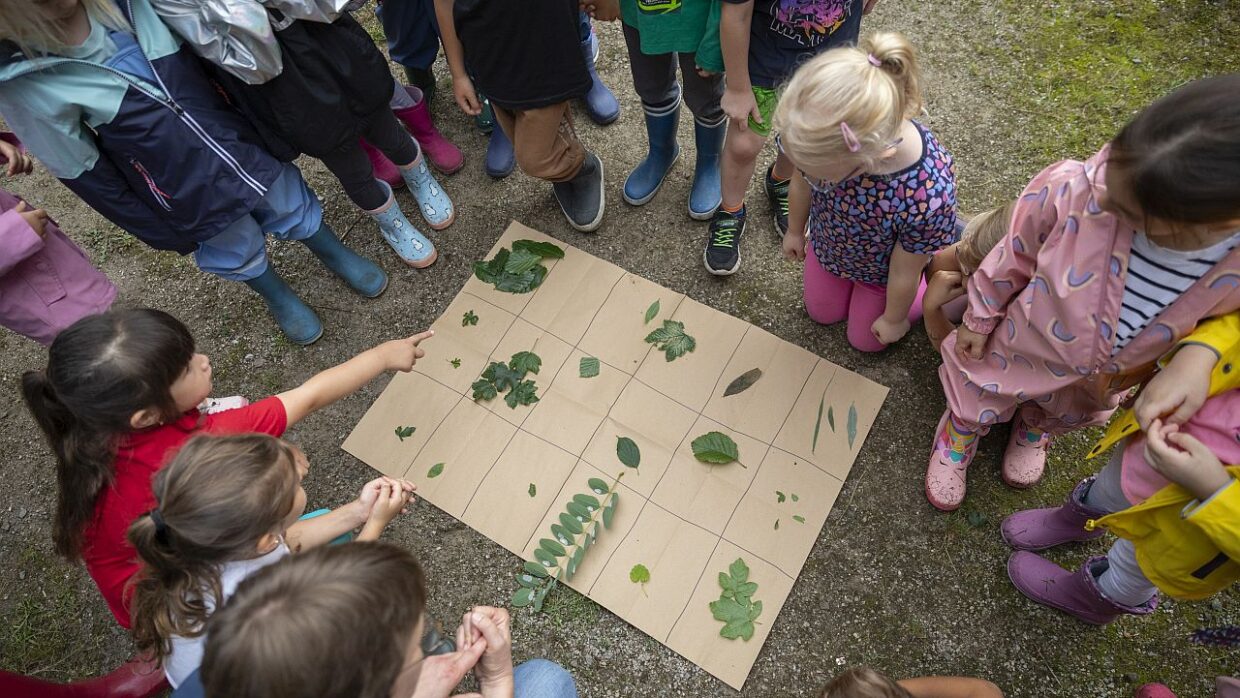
(672, 340)
(525, 362)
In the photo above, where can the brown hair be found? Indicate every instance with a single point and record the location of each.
(863, 682)
(982, 233)
(216, 500)
(335, 622)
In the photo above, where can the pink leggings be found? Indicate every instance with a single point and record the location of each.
(830, 299)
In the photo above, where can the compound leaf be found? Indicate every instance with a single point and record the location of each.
(589, 367)
(715, 448)
(743, 382)
(571, 523)
(535, 568)
(628, 452)
(553, 547)
(609, 512)
(435, 471)
(522, 597)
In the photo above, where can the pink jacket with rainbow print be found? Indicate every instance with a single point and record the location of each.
(1049, 297)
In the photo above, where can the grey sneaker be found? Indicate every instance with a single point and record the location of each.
(582, 198)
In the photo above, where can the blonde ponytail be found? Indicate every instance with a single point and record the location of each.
(897, 57)
(22, 23)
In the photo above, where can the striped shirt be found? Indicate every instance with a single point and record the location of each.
(1157, 277)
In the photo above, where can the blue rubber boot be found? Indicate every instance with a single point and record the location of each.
(500, 157)
(296, 320)
(409, 243)
(361, 274)
(705, 196)
(601, 104)
(436, 207)
(645, 179)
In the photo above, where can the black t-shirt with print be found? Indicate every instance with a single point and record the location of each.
(523, 54)
(786, 33)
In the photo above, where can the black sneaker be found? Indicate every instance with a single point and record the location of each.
(723, 248)
(777, 194)
(582, 198)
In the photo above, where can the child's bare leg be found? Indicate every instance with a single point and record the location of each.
(740, 156)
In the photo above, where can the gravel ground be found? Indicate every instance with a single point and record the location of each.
(890, 582)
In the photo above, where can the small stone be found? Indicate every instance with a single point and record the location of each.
(249, 357)
(21, 513)
(1131, 678)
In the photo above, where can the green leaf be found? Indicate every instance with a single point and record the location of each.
(542, 249)
(456, 362)
(571, 523)
(739, 571)
(484, 390)
(743, 382)
(728, 611)
(526, 579)
(795, 498)
(579, 510)
(735, 606)
(489, 271)
(512, 272)
(587, 501)
(521, 283)
(779, 497)
(628, 452)
(522, 597)
(545, 557)
(469, 319)
(541, 595)
(672, 340)
(976, 519)
(651, 312)
(535, 568)
(403, 433)
(575, 562)
(609, 513)
(776, 524)
(818, 423)
(830, 415)
(523, 393)
(553, 547)
(435, 471)
(524, 362)
(639, 574)
(597, 486)
(503, 377)
(715, 448)
(798, 518)
(561, 534)
(589, 367)
(852, 423)
(741, 629)
(521, 261)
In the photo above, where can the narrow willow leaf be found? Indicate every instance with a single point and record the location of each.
(628, 452)
(818, 424)
(830, 417)
(589, 366)
(743, 382)
(522, 597)
(545, 557)
(798, 518)
(852, 424)
(639, 574)
(715, 448)
(552, 547)
(597, 486)
(435, 471)
(587, 501)
(652, 311)
(571, 523)
(535, 568)
(776, 524)
(533, 490)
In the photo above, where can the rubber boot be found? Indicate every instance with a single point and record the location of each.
(410, 244)
(1024, 459)
(706, 194)
(385, 169)
(296, 320)
(1075, 593)
(645, 179)
(501, 158)
(485, 120)
(601, 104)
(582, 198)
(1039, 529)
(423, 79)
(1154, 690)
(949, 461)
(443, 155)
(436, 207)
(361, 274)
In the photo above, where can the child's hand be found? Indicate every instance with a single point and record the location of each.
(402, 354)
(19, 162)
(602, 10)
(794, 246)
(1184, 460)
(740, 105)
(35, 218)
(1179, 390)
(704, 73)
(392, 497)
(440, 673)
(493, 625)
(944, 287)
(889, 332)
(466, 96)
(969, 344)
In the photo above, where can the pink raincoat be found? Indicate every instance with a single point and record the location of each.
(1049, 297)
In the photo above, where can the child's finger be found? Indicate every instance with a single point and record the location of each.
(1187, 442)
(419, 337)
(490, 632)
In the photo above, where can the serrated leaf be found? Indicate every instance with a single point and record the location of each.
(589, 366)
(552, 547)
(798, 518)
(741, 629)
(743, 382)
(523, 393)
(852, 424)
(469, 319)
(546, 250)
(435, 471)
(571, 523)
(534, 568)
(503, 377)
(672, 340)
(779, 497)
(586, 500)
(456, 363)
(524, 362)
(521, 261)
(728, 611)
(716, 448)
(652, 311)
(522, 597)
(512, 272)
(484, 390)
(628, 452)
(739, 571)
(609, 513)
(521, 283)
(403, 433)
(597, 486)
(639, 574)
(533, 490)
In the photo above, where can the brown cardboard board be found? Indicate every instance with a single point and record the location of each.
(684, 520)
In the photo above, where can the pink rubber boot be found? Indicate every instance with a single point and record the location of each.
(949, 461)
(442, 154)
(1039, 529)
(1024, 461)
(385, 169)
(1075, 593)
(1154, 690)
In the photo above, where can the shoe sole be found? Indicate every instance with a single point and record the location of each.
(306, 342)
(722, 272)
(442, 226)
(646, 199)
(602, 206)
(422, 264)
(449, 170)
(704, 216)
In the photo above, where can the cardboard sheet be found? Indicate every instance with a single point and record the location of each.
(797, 428)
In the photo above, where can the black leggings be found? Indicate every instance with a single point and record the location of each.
(351, 166)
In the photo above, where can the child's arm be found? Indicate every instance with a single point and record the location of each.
(1184, 460)
(393, 496)
(798, 217)
(738, 101)
(903, 278)
(321, 530)
(1177, 391)
(950, 687)
(11, 153)
(943, 287)
(329, 386)
(462, 85)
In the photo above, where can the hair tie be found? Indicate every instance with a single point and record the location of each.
(873, 60)
(850, 138)
(161, 527)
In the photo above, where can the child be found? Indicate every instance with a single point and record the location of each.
(527, 58)
(864, 682)
(950, 268)
(321, 62)
(1175, 506)
(660, 36)
(876, 189)
(764, 42)
(46, 282)
(124, 115)
(118, 398)
(280, 636)
(1106, 265)
(226, 507)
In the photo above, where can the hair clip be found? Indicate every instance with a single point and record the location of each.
(873, 60)
(850, 138)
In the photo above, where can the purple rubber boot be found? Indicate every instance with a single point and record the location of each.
(1075, 593)
(1039, 529)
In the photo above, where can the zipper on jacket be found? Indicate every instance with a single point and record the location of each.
(159, 195)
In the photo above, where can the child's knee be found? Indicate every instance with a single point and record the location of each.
(826, 311)
(744, 146)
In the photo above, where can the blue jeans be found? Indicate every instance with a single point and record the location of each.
(289, 211)
(412, 31)
(540, 678)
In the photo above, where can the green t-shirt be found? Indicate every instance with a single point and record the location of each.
(677, 26)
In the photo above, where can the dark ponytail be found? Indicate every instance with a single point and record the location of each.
(100, 372)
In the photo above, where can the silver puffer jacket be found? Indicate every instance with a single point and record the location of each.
(239, 35)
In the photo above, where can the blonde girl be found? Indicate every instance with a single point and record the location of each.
(950, 269)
